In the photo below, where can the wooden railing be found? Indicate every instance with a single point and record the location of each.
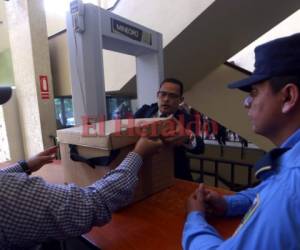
(231, 183)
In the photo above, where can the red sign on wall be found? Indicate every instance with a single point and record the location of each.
(44, 87)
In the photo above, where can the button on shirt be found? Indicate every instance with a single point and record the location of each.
(32, 211)
(273, 217)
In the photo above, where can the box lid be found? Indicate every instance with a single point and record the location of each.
(111, 134)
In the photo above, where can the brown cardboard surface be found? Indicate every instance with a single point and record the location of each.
(111, 134)
(156, 173)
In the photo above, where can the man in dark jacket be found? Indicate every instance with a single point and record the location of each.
(169, 97)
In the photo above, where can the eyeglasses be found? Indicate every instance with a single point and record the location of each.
(162, 94)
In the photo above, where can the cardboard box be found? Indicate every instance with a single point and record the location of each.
(100, 140)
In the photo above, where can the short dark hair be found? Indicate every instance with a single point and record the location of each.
(175, 81)
(278, 82)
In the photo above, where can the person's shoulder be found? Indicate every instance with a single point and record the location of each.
(140, 113)
(12, 180)
(184, 114)
(147, 106)
(153, 105)
(289, 174)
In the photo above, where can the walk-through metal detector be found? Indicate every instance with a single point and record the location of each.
(91, 29)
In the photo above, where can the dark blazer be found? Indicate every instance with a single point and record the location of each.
(182, 168)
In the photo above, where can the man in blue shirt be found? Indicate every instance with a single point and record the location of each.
(272, 219)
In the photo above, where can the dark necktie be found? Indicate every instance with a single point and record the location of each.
(265, 167)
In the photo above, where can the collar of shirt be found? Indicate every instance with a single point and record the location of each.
(291, 140)
(291, 158)
(158, 114)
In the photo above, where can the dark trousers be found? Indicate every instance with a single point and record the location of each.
(182, 164)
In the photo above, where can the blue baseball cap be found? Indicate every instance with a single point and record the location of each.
(279, 57)
(5, 94)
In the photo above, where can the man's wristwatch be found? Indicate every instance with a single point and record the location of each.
(25, 167)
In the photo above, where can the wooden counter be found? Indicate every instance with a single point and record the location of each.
(155, 223)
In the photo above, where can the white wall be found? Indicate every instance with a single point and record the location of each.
(169, 17)
(30, 57)
(13, 128)
(4, 42)
(166, 17)
(56, 13)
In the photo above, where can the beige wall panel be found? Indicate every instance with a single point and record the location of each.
(212, 97)
(30, 56)
(60, 65)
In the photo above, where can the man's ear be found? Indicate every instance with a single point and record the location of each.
(290, 97)
(181, 99)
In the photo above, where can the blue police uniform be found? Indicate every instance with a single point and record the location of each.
(273, 217)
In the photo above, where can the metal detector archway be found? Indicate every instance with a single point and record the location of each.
(91, 29)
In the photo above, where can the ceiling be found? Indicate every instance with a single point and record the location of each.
(55, 18)
(289, 26)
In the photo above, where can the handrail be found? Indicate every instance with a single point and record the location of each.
(220, 160)
(230, 183)
(114, 6)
